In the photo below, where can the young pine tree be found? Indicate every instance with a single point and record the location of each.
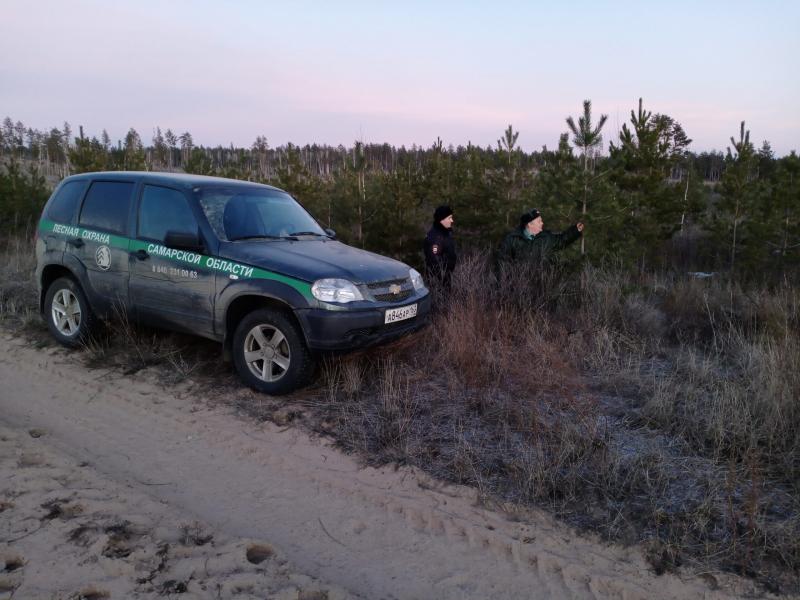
(588, 138)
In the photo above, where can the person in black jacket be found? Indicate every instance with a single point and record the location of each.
(439, 246)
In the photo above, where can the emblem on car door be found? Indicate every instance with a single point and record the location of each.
(103, 257)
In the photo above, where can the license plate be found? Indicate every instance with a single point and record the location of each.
(401, 313)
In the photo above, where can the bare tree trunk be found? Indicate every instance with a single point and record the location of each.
(785, 248)
(585, 195)
(685, 198)
(362, 197)
(733, 243)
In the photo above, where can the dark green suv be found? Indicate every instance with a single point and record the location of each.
(237, 262)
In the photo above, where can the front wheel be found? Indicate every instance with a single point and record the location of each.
(269, 353)
(69, 316)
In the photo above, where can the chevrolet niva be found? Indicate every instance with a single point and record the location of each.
(240, 263)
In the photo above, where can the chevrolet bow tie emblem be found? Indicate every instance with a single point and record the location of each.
(394, 289)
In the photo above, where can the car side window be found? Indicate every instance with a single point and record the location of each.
(62, 208)
(107, 205)
(162, 210)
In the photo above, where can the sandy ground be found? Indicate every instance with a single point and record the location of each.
(111, 487)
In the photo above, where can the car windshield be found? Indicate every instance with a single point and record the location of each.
(238, 213)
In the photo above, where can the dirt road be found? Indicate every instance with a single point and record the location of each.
(114, 488)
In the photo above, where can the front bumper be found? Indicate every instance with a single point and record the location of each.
(358, 328)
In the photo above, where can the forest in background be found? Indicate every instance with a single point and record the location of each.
(648, 202)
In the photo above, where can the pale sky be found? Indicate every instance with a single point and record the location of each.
(400, 72)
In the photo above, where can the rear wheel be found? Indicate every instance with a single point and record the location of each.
(269, 353)
(69, 317)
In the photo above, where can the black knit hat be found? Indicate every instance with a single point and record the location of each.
(442, 212)
(529, 216)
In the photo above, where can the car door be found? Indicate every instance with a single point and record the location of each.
(101, 243)
(169, 285)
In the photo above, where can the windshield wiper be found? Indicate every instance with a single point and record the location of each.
(309, 233)
(263, 237)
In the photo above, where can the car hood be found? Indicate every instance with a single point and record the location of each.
(315, 259)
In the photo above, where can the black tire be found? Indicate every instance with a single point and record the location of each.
(69, 317)
(269, 353)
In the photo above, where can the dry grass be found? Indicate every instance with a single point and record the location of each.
(18, 304)
(721, 383)
(654, 409)
(122, 345)
(483, 397)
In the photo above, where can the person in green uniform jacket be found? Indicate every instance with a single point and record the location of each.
(531, 242)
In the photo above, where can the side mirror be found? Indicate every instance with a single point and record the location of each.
(330, 232)
(183, 240)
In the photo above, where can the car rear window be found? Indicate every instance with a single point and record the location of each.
(107, 206)
(62, 208)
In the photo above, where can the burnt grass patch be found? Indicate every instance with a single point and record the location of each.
(649, 408)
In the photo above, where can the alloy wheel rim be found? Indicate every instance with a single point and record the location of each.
(66, 313)
(266, 353)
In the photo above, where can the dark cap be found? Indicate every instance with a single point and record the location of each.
(529, 216)
(441, 213)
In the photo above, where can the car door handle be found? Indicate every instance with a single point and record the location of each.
(77, 242)
(141, 254)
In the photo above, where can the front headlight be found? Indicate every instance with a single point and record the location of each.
(416, 279)
(335, 290)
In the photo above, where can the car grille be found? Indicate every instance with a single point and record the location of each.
(392, 297)
(395, 290)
